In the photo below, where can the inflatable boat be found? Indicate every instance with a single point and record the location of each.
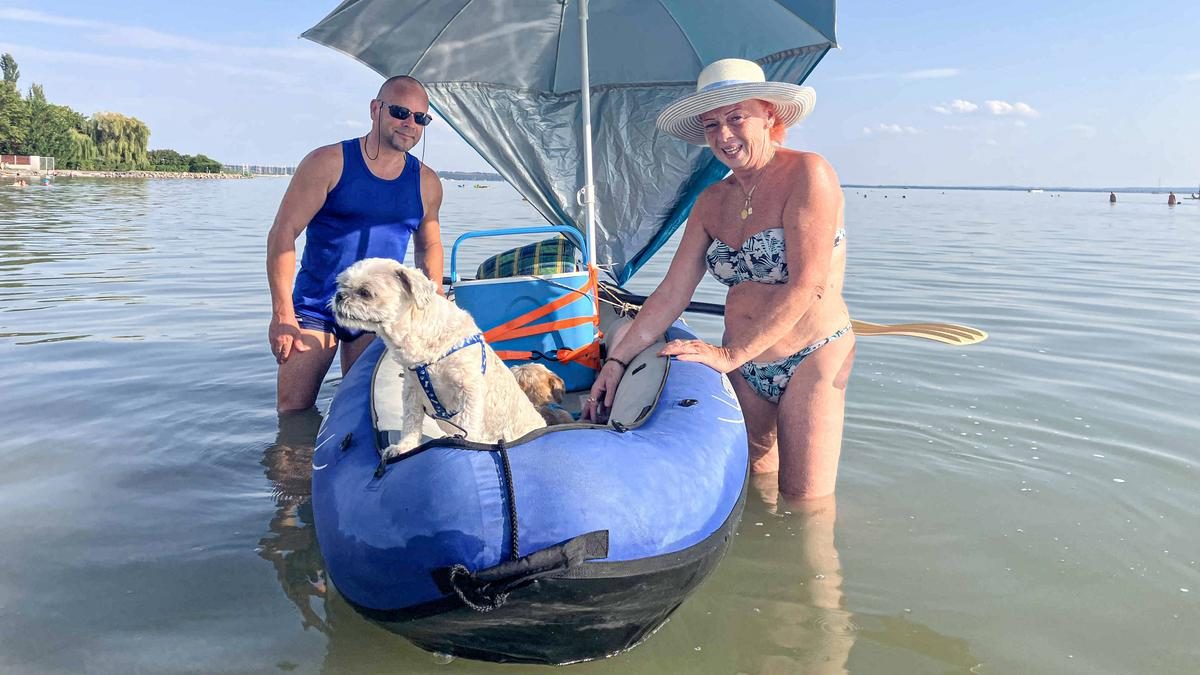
(577, 541)
(574, 542)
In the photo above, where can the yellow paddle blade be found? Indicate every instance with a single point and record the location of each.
(948, 333)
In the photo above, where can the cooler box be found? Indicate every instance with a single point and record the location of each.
(494, 302)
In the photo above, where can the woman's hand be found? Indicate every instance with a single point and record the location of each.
(604, 389)
(717, 358)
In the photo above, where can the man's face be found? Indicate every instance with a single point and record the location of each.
(400, 135)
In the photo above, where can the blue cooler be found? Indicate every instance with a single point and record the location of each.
(494, 302)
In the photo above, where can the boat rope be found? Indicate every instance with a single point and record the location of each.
(623, 308)
(486, 601)
(492, 603)
(511, 492)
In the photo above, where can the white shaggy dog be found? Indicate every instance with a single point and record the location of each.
(473, 392)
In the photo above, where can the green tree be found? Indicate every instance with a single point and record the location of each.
(121, 141)
(169, 160)
(14, 120)
(48, 129)
(202, 164)
(11, 72)
(82, 152)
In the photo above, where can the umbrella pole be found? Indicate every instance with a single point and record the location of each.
(585, 101)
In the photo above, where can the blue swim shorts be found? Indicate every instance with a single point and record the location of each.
(311, 319)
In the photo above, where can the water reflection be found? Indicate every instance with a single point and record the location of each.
(291, 543)
(775, 605)
(79, 254)
(780, 589)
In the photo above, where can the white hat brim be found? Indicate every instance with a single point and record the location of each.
(680, 119)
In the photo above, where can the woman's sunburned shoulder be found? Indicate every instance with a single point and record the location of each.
(810, 167)
(706, 210)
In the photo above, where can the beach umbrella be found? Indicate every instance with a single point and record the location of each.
(522, 80)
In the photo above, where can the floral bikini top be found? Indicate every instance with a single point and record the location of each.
(761, 258)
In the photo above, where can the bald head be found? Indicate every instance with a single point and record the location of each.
(399, 85)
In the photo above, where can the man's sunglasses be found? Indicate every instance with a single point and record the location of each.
(402, 113)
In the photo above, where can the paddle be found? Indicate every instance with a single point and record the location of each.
(948, 333)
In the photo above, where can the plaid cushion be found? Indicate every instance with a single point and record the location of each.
(551, 256)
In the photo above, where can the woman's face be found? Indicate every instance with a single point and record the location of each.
(740, 134)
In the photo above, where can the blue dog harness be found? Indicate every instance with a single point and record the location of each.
(422, 371)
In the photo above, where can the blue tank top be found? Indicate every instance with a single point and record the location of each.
(364, 216)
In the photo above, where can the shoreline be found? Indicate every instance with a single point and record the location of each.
(77, 173)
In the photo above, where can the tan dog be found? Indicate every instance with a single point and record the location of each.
(545, 390)
(472, 392)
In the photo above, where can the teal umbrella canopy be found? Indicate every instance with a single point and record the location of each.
(506, 75)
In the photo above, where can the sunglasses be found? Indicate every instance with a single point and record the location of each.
(402, 113)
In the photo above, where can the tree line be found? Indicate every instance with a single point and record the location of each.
(106, 141)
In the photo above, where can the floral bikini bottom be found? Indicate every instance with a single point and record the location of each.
(771, 378)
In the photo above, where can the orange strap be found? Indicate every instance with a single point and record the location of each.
(506, 330)
(548, 327)
(587, 355)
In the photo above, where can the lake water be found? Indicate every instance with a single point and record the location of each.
(1025, 505)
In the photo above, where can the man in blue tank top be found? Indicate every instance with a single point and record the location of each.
(361, 198)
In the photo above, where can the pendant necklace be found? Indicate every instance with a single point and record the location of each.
(747, 209)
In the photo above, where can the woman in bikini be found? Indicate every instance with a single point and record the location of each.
(773, 232)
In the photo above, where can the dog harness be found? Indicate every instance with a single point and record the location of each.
(422, 371)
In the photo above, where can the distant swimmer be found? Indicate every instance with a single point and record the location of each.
(1112, 198)
(1171, 199)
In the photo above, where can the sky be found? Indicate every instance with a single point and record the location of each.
(939, 92)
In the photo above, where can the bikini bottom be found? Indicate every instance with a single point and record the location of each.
(771, 378)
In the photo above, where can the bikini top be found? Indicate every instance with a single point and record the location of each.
(761, 258)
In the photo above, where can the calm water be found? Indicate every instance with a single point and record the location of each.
(1027, 505)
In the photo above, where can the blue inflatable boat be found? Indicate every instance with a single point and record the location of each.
(572, 543)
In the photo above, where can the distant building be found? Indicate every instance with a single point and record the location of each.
(26, 163)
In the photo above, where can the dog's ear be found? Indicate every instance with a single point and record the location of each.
(416, 285)
(557, 388)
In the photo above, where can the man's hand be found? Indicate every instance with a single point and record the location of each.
(284, 336)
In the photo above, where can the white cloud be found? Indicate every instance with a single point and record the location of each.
(890, 129)
(958, 105)
(1005, 108)
(137, 37)
(31, 16)
(860, 77)
(964, 107)
(1020, 124)
(999, 107)
(134, 63)
(1192, 76)
(78, 58)
(930, 74)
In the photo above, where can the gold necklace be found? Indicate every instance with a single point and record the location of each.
(747, 209)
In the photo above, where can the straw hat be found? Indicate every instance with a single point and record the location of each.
(730, 81)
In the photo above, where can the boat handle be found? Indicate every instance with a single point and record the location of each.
(569, 232)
